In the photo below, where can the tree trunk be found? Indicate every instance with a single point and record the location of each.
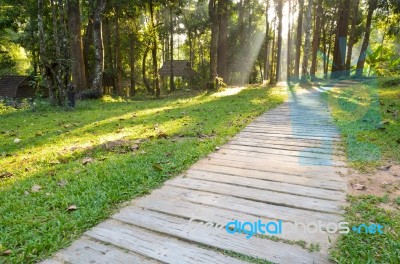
(316, 40)
(132, 91)
(145, 80)
(372, 5)
(289, 44)
(213, 13)
(87, 42)
(352, 37)
(154, 50)
(222, 55)
(118, 58)
(339, 50)
(271, 74)
(171, 32)
(299, 40)
(42, 50)
(266, 63)
(307, 42)
(278, 55)
(97, 82)
(75, 39)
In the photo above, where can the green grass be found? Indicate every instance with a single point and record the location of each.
(368, 117)
(170, 134)
(369, 248)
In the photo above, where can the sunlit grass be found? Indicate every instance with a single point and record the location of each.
(173, 133)
(371, 138)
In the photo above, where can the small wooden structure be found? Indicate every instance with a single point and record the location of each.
(181, 68)
(15, 86)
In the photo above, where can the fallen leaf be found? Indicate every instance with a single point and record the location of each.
(6, 174)
(6, 252)
(135, 147)
(62, 183)
(162, 135)
(385, 168)
(36, 188)
(157, 167)
(17, 140)
(87, 160)
(72, 207)
(358, 186)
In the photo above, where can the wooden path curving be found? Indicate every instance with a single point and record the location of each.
(283, 166)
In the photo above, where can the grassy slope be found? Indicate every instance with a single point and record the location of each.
(54, 143)
(370, 140)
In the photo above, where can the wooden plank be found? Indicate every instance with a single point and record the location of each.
(265, 196)
(51, 261)
(289, 135)
(302, 190)
(294, 131)
(163, 248)
(278, 137)
(86, 250)
(250, 207)
(271, 144)
(267, 176)
(206, 213)
(284, 152)
(307, 170)
(271, 158)
(256, 247)
(324, 146)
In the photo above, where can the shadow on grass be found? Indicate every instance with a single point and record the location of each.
(35, 224)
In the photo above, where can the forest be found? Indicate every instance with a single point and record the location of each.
(126, 124)
(117, 47)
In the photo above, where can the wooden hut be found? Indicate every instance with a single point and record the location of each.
(14, 86)
(181, 68)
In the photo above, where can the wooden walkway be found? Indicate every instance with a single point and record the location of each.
(283, 166)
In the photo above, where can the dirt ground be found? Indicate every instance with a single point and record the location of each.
(385, 181)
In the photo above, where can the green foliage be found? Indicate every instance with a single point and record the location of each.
(369, 248)
(65, 154)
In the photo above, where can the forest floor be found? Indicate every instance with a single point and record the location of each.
(62, 172)
(368, 117)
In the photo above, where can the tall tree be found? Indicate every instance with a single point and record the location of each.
(279, 52)
(213, 14)
(118, 57)
(267, 39)
(299, 39)
(372, 6)
(339, 50)
(154, 48)
(171, 48)
(222, 52)
(98, 10)
(352, 35)
(307, 42)
(316, 39)
(75, 45)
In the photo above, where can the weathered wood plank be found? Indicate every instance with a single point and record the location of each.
(219, 238)
(86, 250)
(258, 209)
(266, 196)
(301, 190)
(284, 152)
(150, 244)
(205, 213)
(271, 158)
(323, 172)
(267, 176)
